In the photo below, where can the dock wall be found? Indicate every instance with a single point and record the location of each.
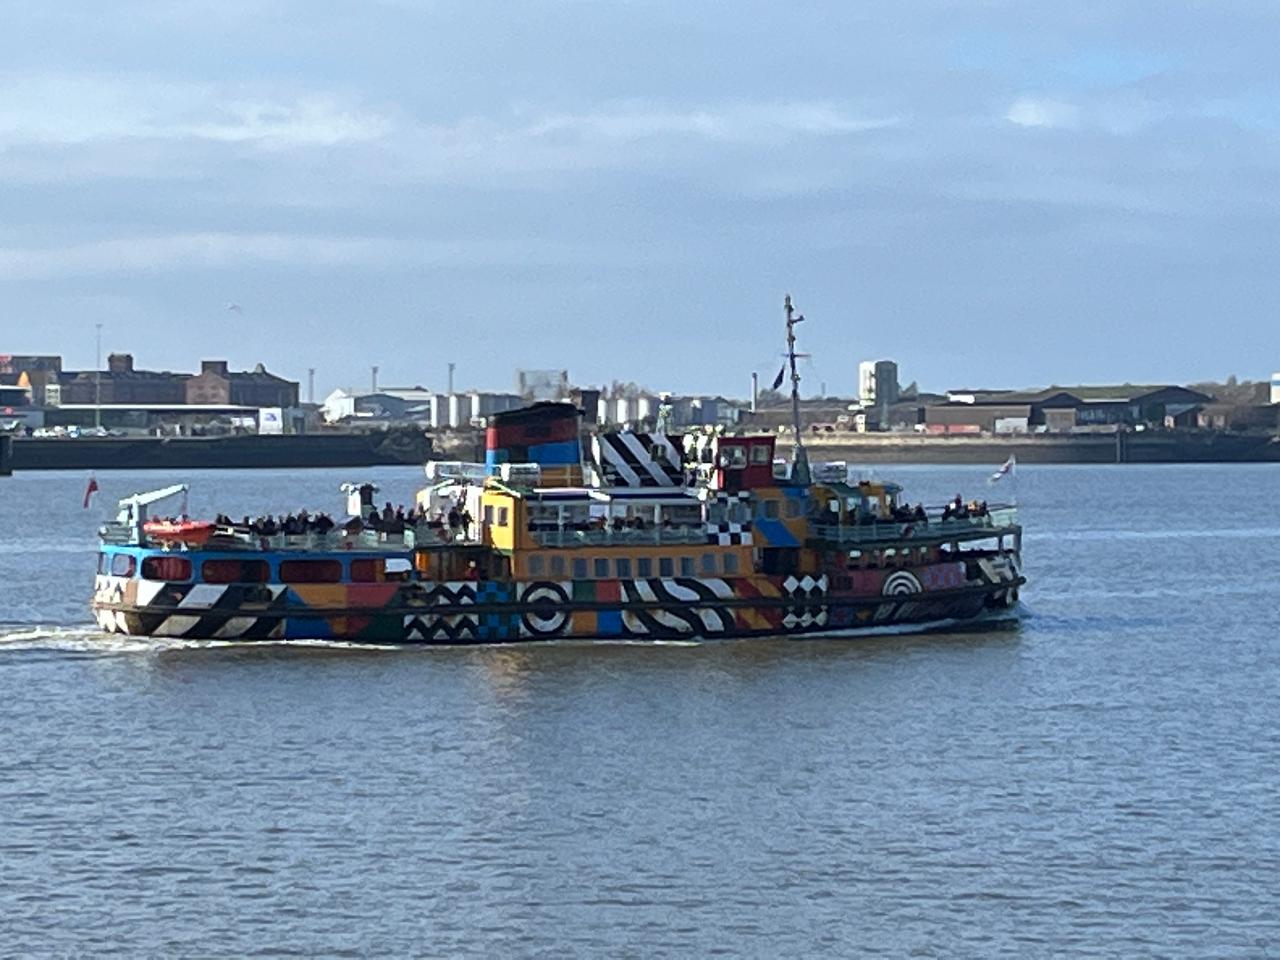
(245, 452)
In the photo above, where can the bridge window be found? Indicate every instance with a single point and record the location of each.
(166, 568)
(536, 565)
(644, 567)
(557, 566)
(708, 563)
(503, 516)
(760, 453)
(730, 563)
(686, 566)
(311, 571)
(104, 562)
(601, 568)
(795, 507)
(579, 568)
(234, 571)
(399, 568)
(123, 565)
(622, 568)
(666, 567)
(769, 509)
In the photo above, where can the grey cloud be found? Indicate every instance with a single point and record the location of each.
(987, 191)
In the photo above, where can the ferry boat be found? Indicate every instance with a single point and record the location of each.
(646, 539)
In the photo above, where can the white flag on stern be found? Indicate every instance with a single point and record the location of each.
(1006, 468)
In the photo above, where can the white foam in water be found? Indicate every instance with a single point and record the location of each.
(80, 639)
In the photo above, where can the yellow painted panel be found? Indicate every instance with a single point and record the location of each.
(327, 595)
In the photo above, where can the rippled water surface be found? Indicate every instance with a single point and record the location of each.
(1100, 781)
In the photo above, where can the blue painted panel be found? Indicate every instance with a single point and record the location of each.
(609, 623)
(564, 453)
(307, 628)
(774, 533)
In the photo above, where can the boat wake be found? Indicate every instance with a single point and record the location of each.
(76, 639)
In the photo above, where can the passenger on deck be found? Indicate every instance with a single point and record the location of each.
(388, 514)
(464, 518)
(920, 516)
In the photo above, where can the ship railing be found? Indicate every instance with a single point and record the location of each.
(995, 521)
(334, 541)
(649, 536)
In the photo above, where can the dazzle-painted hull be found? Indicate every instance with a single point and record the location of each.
(467, 612)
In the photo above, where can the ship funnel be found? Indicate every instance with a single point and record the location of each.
(546, 434)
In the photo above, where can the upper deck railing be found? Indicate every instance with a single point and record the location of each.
(995, 521)
(336, 540)
(627, 536)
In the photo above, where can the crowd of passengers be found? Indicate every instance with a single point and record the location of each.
(957, 509)
(455, 523)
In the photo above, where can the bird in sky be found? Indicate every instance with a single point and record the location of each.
(234, 307)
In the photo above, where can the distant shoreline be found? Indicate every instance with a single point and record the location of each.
(288, 451)
(1153, 446)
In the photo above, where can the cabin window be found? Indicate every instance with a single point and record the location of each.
(557, 566)
(769, 509)
(503, 516)
(733, 457)
(536, 565)
(795, 507)
(601, 567)
(622, 568)
(708, 563)
(666, 567)
(234, 571)
(311, 571)
(644, 567)
(686, 566)
(122, 565)
(579, 568)
(730, 563)
(366, 570)
(166, 568)
(760, 454)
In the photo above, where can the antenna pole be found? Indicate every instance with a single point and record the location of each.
(97, 380)
(799, 457)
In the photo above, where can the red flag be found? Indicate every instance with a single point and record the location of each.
(90, 490)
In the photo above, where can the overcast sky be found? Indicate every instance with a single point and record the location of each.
(992, 193)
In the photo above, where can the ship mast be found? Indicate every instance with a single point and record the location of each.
(799, 457)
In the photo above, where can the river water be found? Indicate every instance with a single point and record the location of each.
(1103, 780)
